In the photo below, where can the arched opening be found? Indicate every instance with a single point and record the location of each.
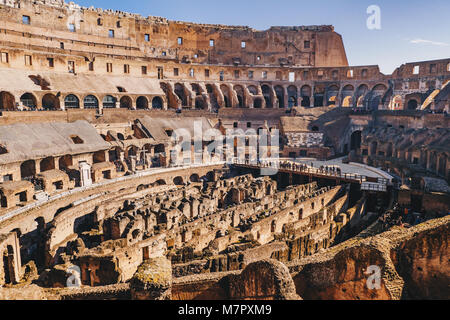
(292, 102)
(157, 103)
(179, 91)
(332, 94)
(196, 89)
(376, 95)
(347, 101)
(126, 102)
(142, 103)
(360, 94)
(7, 101)
(99, 157)
(292, 96)
(355, 143)
(319, 93)
(253, 90)
(178, 181)
(50, 102)
(412, 104)
(397, 103)
(65, 162)
(132, 151)
(109, 102)
(160, 182)
(47, 164)
(257, 103)
(267, 95)
(71, 102)
(226, 95)
(29, 101)
(194, 178)
(347, 95)
(90, 102)
(279, 91)
(28, 170)
(306, 96)
(240, 95)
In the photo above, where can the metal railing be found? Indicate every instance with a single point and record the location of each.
(304, 169)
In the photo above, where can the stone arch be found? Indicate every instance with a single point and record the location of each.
(266, 91)
(71, 101)
(178, 181)
(157, 103)
(99, 156)
(347, 101)
(161, 182)
(7, 101)
(319, 94)
(292, 96)
(279, 91)
(28, 100)
(226, 95)
(360, 95)
(109, 102)
(90, 102)
(126, 102)
(131, 151)
(196, 88)
(50, 102)
(142, 103)
(47, 164)
(65, 162)
(253, 90)
(28, 169)
(180, 92)
(332, 93)
(240, 95)
(397, 103)
(305, 93)
(194, 178)
(347, 95)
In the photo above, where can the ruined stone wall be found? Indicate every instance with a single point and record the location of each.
(159, 38)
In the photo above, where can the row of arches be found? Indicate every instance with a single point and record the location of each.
(72, 101)
(230, 95)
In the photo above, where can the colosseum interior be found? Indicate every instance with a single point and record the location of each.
(97, 197)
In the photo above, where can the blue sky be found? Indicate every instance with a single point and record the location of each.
(413, 30)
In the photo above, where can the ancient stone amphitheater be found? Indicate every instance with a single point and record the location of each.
(99, 202)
